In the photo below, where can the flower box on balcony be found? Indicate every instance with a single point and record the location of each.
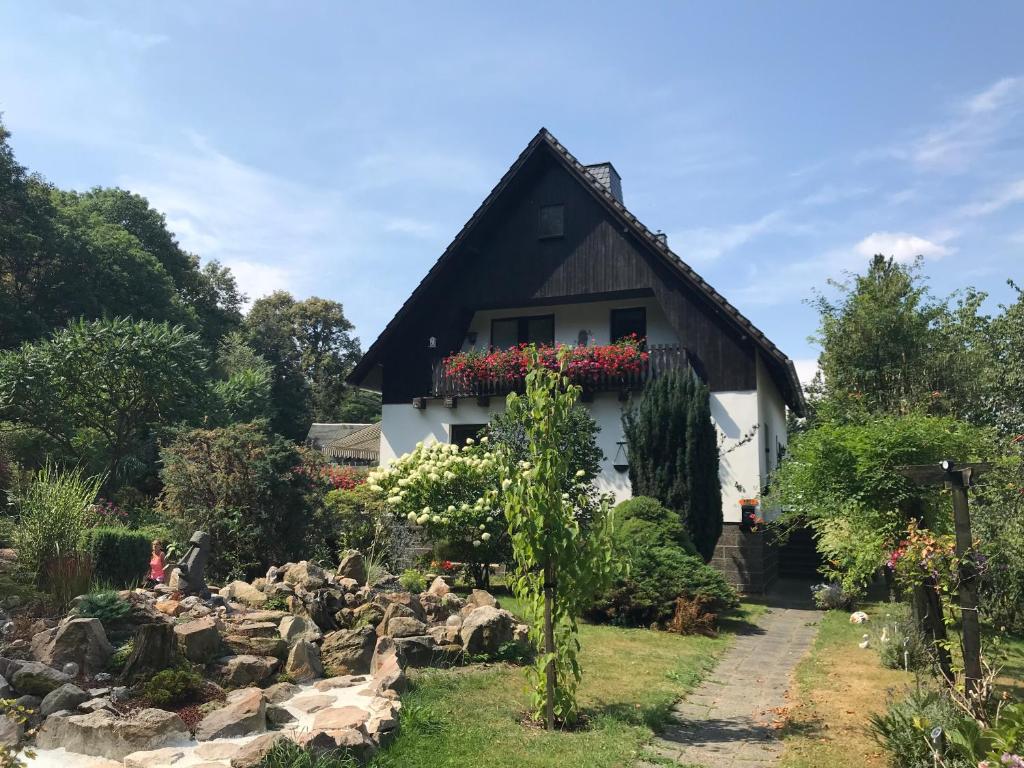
(586, 365)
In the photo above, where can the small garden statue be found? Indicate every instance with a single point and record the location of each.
(191, 579)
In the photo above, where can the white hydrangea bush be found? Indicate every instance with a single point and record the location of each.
(451, 492)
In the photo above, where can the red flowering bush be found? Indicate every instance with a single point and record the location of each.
(335, 477)
(584, 364)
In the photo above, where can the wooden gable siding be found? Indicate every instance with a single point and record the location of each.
(505, 264)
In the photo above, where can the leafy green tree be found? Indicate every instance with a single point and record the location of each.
(65, 256)
(1004, 378)
(244, 393)
(673, 454)
(842, 480)
(889, 347)
(98, 389)
(559, 566)
(509, 431)
(310, 346)
(246, 488)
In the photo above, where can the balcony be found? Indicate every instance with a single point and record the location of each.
(658, 359)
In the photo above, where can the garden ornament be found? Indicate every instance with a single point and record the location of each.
(192, 580)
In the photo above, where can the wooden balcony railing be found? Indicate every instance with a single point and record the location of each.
(660, 359)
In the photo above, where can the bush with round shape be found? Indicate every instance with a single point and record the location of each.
(172, 687)
(120, 556)
(647, 521)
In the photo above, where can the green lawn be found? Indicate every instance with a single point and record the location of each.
(472, 716)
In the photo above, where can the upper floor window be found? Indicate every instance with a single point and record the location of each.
(628, 321)
(552, 221)
(511, 331)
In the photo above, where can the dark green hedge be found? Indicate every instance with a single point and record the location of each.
(120, 556)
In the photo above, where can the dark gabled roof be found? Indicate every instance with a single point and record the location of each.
(322, 433)
(545, 138)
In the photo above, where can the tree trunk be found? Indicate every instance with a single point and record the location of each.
(154, 649)
(928, 613)
(549, 645)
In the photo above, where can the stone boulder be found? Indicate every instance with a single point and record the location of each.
(251, 754)
(352, 566)
(239, 671)
(68, 696)
(199, 640)
(37, 679)
(351, 740)
(280, 692)
(78, 641)
(439, 587)
(367, 615)
(386, 668)
(104, 735)
(244, 714)
(419, 651)
(257, 646)
(245, 593)
(6, 691)
(253, 628)
(486, 629)
(303, 664)
(295, 628)
(11, 732)
(480, 598)
(405, 626)
(348, 651)
(306, 575)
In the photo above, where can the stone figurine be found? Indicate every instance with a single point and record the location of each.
(191, 579)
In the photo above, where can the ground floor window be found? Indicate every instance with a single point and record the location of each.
(460, 433)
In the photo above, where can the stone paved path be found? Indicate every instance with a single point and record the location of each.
(727, 721)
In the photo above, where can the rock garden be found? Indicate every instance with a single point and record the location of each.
(155, 677)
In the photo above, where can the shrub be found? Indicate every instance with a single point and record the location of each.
(244, 487)
(901, 645)
(52, 511)
(354, 513)
(171, 687)
(657, 577)
(106, 606)
(412, 581)
(831, 597)
(120, 557)
(904, 729)
(692, 617)
(673, 454)
(121, 656)
(645, 520)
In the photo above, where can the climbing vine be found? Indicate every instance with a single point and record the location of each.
(560, 559)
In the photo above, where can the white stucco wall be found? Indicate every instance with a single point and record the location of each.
(735, 415)
(570, 319)
(743, 466)
(772, 434)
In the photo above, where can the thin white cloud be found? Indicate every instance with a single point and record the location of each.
(975, 124)
(255, 279)
(1008, 195)
(412, 227)
(708, 244)
(902, 246)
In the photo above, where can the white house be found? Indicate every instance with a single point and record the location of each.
(552, 255)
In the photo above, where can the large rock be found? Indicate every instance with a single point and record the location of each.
(367, 615)
(11, 731)
(386, 668)
(419, 651)
(337, 718)
(486, 629)
(303, 664)
(480, 598)
(37, 679)
(199, 640)
(254, 628)
(351, 740)
(405, 626)
(80, 641)
(105, 735)
(68, 696)
(280, 692)
(306, 575)
(395, 611)
(348, 651)
(295, 628)
(257, 646)
(409, 600)
(439, 587)
(352, 566)
(243, 592)
(238, 671)
(244, 714)
(6, 691)
(251, 755)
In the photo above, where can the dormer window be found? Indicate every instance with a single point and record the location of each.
(552, 221)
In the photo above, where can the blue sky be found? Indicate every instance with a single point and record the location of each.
(335, 148)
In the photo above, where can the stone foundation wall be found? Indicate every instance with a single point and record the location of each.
(747, 559)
